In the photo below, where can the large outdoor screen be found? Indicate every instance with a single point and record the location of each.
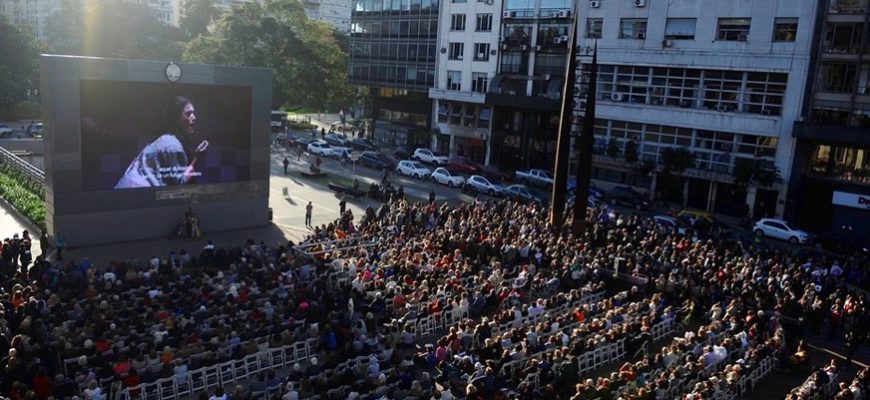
(151, 135)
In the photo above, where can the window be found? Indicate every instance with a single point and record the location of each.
(680, 29)
(593, 27)
(835, 77)
(733, 29)
(454, 80)
(785, 29)
(481, 52)
(458, 1)
(456, 50)
(479, 82)
(457, 22)
(632, 28)
(842, 37)
(484, 23)
(484, 117)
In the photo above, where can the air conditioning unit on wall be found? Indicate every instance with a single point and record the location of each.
(507, 14)
(616, 96)
(594, 4)
(640, 3)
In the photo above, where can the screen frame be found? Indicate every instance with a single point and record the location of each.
(151, 211)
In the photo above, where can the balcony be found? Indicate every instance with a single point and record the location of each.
(829, 133)
(848, 7)
(457, 95)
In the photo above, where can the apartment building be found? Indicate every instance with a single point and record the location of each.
(723, 81)
(333, 12)
(468, 43)
(524, 94)
(831, 172)
(393, 51)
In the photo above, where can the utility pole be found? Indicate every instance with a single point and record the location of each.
(585, 143)
(563, 143)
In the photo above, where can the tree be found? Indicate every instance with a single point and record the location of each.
(677, 160)
(19, 68)
(749, 172)
(196, 17)
(309, 65)
(112, 29)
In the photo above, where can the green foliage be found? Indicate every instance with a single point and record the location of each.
(20, 110)
(307, 59)
(196, 17)
(19, 64)
(677, 160)
(113, 29)
(24, 194)
(754, 172)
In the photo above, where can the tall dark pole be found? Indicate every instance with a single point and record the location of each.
(584, 150)
(560, 170)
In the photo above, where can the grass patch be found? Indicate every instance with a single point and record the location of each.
(20, 194)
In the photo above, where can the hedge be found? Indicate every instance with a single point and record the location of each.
(24, 194)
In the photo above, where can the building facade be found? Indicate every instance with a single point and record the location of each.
(722, 81)
(831, 173)
(393, 47)
(36, 14)
(467, 61)
(525, 93)
(333, 12)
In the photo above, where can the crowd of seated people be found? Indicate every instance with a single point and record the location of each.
(504, 288)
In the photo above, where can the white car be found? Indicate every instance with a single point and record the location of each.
(412, 169)
(483, 185)
(445, 177)
(429, 157)
(780, 229)
(320, 148)
(341, 152)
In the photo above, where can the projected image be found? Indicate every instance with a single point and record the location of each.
(147, 135)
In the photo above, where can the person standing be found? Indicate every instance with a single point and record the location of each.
(342, 205)
(308, 210)
(286, 163)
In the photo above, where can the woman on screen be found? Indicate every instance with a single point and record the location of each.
(164, 161)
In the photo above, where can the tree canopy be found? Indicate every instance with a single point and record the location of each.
(197, 15)
(112, 29)
(19, 69)
(308, 62)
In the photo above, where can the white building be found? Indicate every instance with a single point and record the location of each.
(333, 12)
(467, 59)
(723, 79)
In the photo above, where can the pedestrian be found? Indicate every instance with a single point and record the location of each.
(342, 205)
(308, 209)
(60, 245)
(286, 163)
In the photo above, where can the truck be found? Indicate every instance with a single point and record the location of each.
(535, 177)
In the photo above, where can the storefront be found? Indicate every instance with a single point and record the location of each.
(853, 210)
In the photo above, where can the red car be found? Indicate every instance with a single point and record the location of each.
(462, 166)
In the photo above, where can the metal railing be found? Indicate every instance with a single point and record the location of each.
(7, 157)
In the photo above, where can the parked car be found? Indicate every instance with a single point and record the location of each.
(413, 169)
(302, 142)
(462, 165)
(482, 185)
(628, 196)
(695, 214)
(670, 224)
(444, 176)
(374, 160)
(429, 157)
(594, 191)
(780, 229)
(522, 193)
(336, 139)
(341, 153)
(320, 148)
(35, 130)
(496, 174)
(535, 177)
(361, 144)
(5, 131)
(401, 154)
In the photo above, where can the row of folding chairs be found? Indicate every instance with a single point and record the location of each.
(223, 374)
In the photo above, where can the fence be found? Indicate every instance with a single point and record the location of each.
(7, 157)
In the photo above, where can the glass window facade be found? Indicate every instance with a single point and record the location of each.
(844, 163)
(718, 90)
(393, 43)
(733, 29)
